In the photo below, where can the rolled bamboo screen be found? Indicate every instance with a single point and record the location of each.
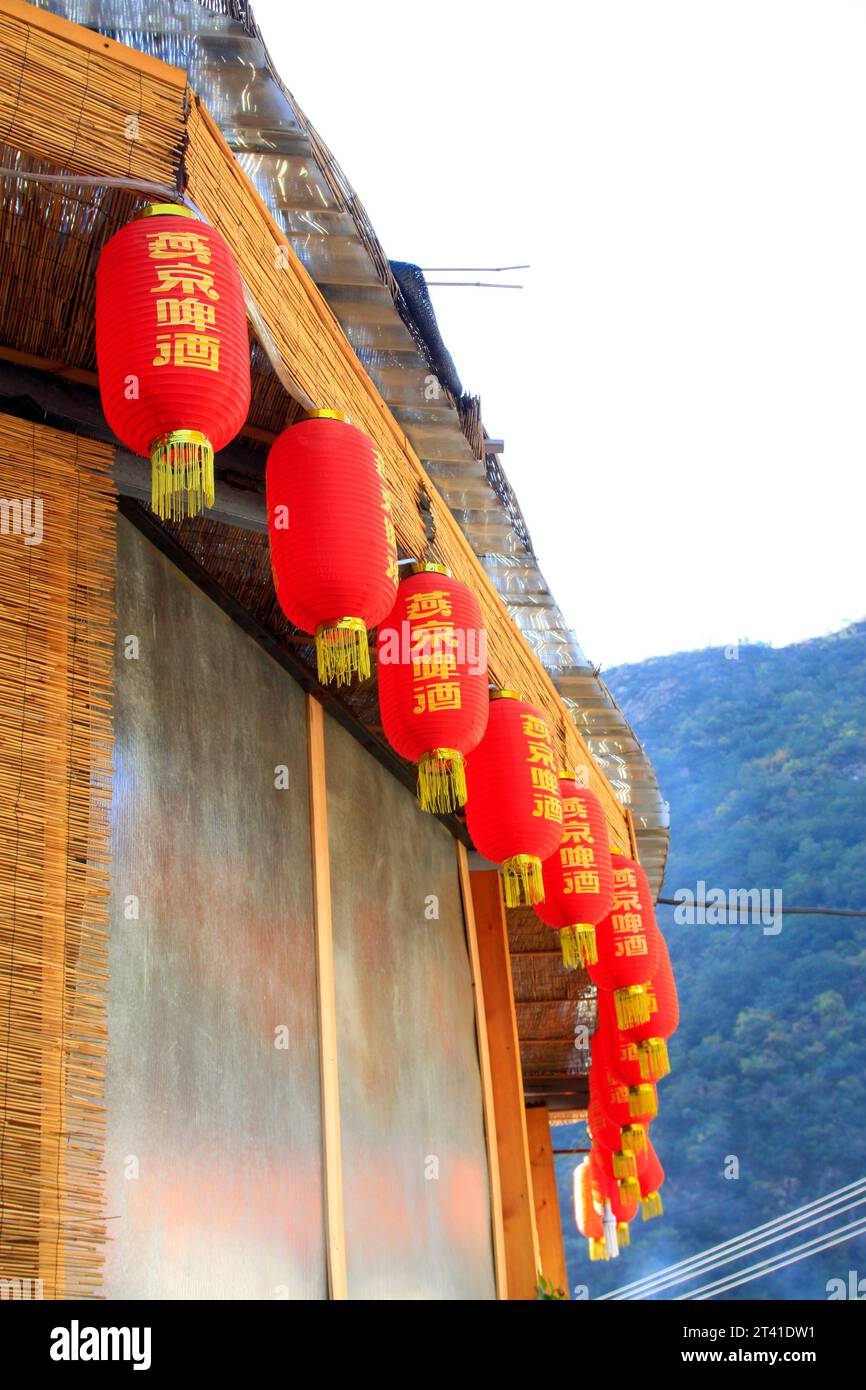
(86, 103)
(56, 658)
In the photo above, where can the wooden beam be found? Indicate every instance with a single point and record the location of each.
(512, 1143)
(488, 1099)
(546, 1199)
(335, 1232)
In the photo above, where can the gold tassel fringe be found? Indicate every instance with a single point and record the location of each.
(523, 881)
(632, 1006)
(653, 1059)
(651, 1206)
(597, 1250)
(624, 1164)
(441, 780)
(634, 1139)
(642, 1100)
(629, 1190)
(342, 651)
(181, 475)
(578, 946)
(623, 1238)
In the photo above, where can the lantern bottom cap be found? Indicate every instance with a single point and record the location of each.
(181, 474)
(634, 1138)
(642, 1100)
(578, 946)
(523, 880)
(632, 1006)
(441, 780)
(624, 1164)
(653, 1059)
(342, 651)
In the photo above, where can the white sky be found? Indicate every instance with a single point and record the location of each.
(681, 383)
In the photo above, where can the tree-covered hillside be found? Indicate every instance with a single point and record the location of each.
(762, 755)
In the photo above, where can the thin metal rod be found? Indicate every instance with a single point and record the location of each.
(473, 285)
(468, 269)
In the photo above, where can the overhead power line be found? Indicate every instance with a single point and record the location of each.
(786, 1219)
(474, 284)
(759, 1271)
(751, 1248)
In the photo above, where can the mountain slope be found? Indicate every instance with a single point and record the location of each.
(762, 755)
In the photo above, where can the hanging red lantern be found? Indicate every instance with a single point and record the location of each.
(613, 1198)
(621, 1103)
(651, 1180)
(432, 674)
(172, 350)
(333, 546)
(627, 945)
(578, 876)
(624, 1206)
(651, 1038)
(586, 1218)
(623, 1051)
(513, 808)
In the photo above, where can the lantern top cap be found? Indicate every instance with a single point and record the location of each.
(504, 695)
(428, 567)
(327, 415)
(168, 210)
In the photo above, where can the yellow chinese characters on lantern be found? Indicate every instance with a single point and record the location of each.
(542, 769)
(185, 300)
(630, 936)
(577, 853)
(434, 652)
(392, 568)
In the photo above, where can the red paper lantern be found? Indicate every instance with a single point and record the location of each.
(627, 944)
(652, 1037)
(621, 1103)
(432, 674)
(578, 877)
(586, 1218)
(616, 1201)
(333, 547)
(513, 808)
(173, 351)
(620, 1146)
(622, 1047)
(651, 1180)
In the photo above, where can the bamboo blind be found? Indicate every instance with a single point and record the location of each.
(86, 103)
(322, 361)
(56, 657)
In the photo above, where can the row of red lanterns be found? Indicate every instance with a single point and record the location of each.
(638, 1012)
(173, 359)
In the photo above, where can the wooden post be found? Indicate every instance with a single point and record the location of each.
(488, 1100)
(518, 1211)
(331, 1133)
(546, 1198)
